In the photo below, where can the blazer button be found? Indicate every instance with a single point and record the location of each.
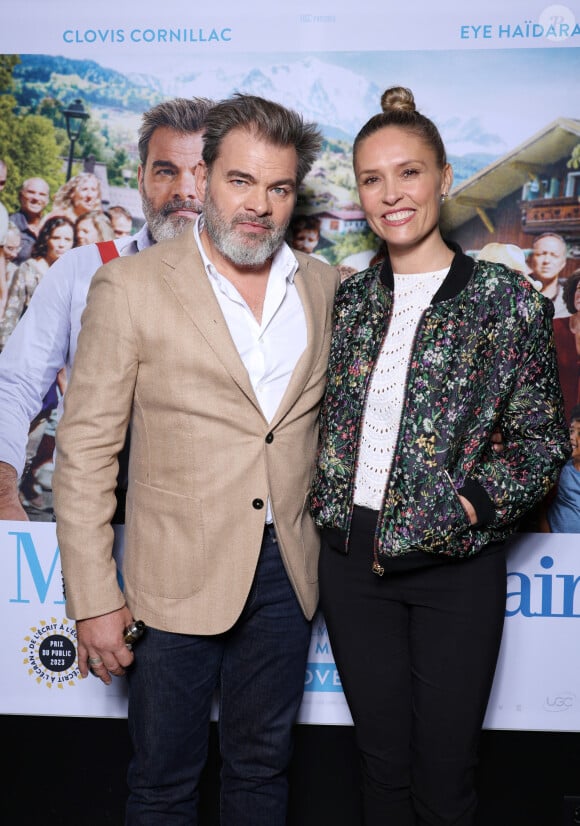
(258, 504)
(269, 438)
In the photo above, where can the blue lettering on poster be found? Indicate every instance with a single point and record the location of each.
(543, 594)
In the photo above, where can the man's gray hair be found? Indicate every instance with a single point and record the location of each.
(184, 115)
(266, 120)
(550, 235)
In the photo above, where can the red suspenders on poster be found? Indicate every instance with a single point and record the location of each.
(107, 250)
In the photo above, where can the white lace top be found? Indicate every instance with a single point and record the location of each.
(412, 295)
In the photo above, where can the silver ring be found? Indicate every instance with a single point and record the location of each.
(95, 661)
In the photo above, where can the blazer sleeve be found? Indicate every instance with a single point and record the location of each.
(90, 435)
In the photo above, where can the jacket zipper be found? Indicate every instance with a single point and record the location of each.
(377, 568)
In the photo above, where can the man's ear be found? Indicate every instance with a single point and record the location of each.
(201, 179)
(140, 174)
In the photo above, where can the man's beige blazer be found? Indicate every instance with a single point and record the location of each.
(155, 352)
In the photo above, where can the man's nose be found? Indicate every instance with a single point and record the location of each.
(184, 184)
(258, 200)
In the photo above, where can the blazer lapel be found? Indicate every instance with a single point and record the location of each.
(314, 303)
(185, 276)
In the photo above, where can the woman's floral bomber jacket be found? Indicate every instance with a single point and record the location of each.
(483, 357)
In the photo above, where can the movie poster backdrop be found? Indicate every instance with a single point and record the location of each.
(500, 83)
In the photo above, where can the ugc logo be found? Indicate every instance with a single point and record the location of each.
(560, 702)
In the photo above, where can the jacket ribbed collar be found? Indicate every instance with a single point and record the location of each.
(456, 280)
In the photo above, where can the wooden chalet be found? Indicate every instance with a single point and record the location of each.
(523, 194)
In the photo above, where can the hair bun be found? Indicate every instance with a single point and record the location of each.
(398, 97)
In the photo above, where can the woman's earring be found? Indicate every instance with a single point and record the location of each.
(443, 197)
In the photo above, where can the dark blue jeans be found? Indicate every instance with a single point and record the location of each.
(258, 667)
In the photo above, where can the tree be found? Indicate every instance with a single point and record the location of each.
(120, 162)
(574, 162)
(28, 143)
(7, 104)
(7, 64)
(29, 147)
(349, 243)
(38, 153)
(91, 142)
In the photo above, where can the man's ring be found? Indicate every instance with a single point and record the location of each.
(94, 661)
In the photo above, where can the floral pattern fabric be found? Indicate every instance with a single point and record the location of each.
(483, 357)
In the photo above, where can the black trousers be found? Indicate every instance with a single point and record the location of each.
(416, 651)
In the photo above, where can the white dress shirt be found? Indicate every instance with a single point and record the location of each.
(269, 349)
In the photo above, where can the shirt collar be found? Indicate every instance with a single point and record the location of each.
(284, 262)
(143, 238)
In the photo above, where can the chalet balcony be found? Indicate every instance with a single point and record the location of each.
(561, 215)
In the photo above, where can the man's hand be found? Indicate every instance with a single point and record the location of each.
(100, 644)
(10, 506)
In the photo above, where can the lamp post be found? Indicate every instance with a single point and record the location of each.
(74, 117)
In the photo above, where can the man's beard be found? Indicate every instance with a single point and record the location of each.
(163, 223)
(251, 251)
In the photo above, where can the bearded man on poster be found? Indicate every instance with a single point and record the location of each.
(44, 340)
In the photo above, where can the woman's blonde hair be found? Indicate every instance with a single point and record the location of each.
(63, 200)
(100, 221)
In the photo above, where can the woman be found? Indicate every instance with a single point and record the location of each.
(567, 334)
(79, 195)
(92, 227)
(54, 239)
(431, 352)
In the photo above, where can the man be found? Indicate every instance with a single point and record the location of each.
(45, 339)
(547, 261)
(34, 196)
(214, 346)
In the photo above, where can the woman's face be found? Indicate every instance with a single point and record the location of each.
(400, 187)
(86, 233)
(86, 196)
(60, 241)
